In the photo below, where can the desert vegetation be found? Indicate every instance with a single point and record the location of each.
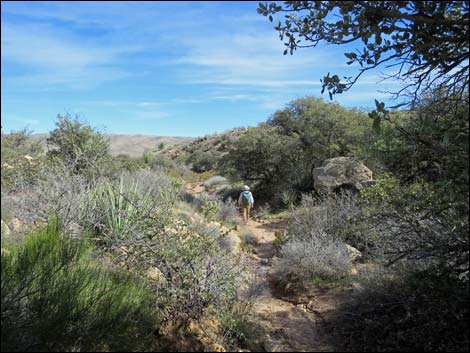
(112, 252)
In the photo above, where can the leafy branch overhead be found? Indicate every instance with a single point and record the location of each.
(425, 43)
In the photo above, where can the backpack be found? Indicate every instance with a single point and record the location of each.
(246, 197)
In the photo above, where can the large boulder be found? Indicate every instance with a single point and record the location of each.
(341, 173)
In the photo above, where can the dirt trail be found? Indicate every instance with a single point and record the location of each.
(288, 327)
(286, 324)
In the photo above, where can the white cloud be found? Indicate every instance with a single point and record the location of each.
(53, 58)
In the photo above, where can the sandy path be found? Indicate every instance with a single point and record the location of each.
(287, 327)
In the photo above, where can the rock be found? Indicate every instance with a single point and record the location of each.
(215, 347)
(270, 346)
(354, 254)
(341, 173)
(156, 275)
(201, 335)
(264, 261)
(5, 229)
(224, 230)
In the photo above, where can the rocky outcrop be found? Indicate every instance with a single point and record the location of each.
(341, 173)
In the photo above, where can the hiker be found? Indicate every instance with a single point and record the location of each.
(246, 201)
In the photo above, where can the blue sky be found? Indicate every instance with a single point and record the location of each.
(157, 68)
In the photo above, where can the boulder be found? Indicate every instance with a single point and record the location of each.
(341, 173)
(354, 254)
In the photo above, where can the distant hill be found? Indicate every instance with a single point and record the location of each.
(132, 145)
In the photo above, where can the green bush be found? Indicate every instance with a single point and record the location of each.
(202, 161)
(123, 162)
(78, 146)
(56, 298)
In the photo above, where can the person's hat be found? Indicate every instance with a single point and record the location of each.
(246, 187)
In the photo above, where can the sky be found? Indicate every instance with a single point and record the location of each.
(158, 68)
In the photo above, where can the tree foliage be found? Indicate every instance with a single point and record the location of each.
(426, 43)
(78, 145)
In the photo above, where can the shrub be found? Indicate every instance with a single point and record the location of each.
(416, 222)
(405, 311)
(215, 180)
(78, 146)
(236, 324)
(55, 191)
(160, 162)
(198, 276)
(21, 160)
(302, 262)
(123, 162)
(228, 212)
(313, 248)
(202, 161)
(248, 237)
(208, 206)
(55, 298)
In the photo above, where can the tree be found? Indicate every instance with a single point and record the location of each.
(79, 146)
(426, 42)
(280, 155)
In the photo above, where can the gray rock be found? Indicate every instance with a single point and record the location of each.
(341, 172)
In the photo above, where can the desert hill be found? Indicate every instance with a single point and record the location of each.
(132, 145)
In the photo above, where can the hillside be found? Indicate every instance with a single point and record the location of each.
(204, 153)
(132, 145)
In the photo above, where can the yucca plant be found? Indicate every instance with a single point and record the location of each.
(119, 210)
